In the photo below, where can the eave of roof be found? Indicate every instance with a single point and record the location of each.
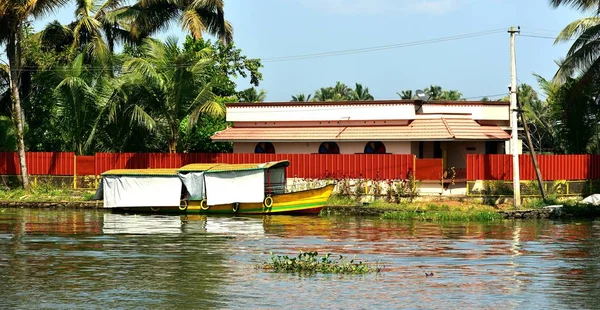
(418, 130)
(370, 102)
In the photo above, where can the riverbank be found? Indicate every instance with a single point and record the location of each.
(457, 209)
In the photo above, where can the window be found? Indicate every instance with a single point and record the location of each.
(375, 147)
(437, 149)
(421, 146)
(491, 147)
(329, 148)
(264, 147)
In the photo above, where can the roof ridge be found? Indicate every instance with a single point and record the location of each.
(448, 128)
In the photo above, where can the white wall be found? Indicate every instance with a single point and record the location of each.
(395, 147)
(356, 112)
(456, 152)
(320, 112)
(479, 112)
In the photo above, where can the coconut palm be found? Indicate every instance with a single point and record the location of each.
(14, 15)
(252, 95)
(361, 93)
(195, 16)
(338, 92)
(451, 95)
(301, 98)
(583, 56)
(80, 95)
(582, 5)
(434, 91)
(405, 94)
(167, 85)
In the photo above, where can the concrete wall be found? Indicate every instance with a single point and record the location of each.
(478, 112)
(353, 112)
(394, 147)
(456, 152)
(320, 112)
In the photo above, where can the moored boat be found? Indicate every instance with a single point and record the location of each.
(210, 189)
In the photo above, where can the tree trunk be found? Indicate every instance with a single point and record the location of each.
(173, 146)
(13, 51)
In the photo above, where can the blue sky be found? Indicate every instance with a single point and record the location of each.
(476, 66)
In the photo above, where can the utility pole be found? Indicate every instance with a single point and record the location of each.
(514, 139)
(538, 172)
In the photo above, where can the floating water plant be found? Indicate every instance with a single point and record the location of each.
(310, 262)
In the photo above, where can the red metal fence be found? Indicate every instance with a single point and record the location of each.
(553, 167)
(40, 163)
(428, 169)
(371, 166)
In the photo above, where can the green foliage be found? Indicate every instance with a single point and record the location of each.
(408, 189)
(8, 140)
(229, 64)
(301, 98)
(340, 200)
(45, 192)
(197, 139)
(252, 95)
(340, 92)
(435, 92)
(443, 216)
(311, 263)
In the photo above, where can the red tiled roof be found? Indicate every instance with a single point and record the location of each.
(419, 129)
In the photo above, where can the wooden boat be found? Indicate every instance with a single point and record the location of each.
(210, 189)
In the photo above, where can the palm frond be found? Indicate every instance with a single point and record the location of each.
(581, 60)
(142, 118)
(581, 5)
(577, 28)
(144, 70)
(192, 22)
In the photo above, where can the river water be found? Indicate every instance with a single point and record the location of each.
(95, 259)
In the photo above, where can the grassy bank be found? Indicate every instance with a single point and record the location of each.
(457, 210)
(44, 193)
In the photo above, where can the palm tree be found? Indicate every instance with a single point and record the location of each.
(169, 85)
(343, 90)
(450, 95)
(195, 16)
(583, 55)
(405, 94)
(14, 15)
(252, 95)
(582, 5)
(361, 93)
(434, 91)
(80, 95)
(301, 98)
(338, 92)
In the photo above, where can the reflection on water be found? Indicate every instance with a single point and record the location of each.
(62, 258)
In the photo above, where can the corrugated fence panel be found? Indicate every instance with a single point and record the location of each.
(85, 165)
(552, 167)
(429, 169)
(9, 163)
(50, 163)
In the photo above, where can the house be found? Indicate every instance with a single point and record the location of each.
(437, 129)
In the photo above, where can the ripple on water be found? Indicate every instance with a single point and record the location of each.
(62, 259)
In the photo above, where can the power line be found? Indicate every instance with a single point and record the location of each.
(383, 47)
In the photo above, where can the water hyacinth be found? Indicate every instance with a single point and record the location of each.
(310, 262)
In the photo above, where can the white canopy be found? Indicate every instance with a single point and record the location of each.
(235, 186)
(141, 191)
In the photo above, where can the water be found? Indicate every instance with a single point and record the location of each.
(94, 259)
